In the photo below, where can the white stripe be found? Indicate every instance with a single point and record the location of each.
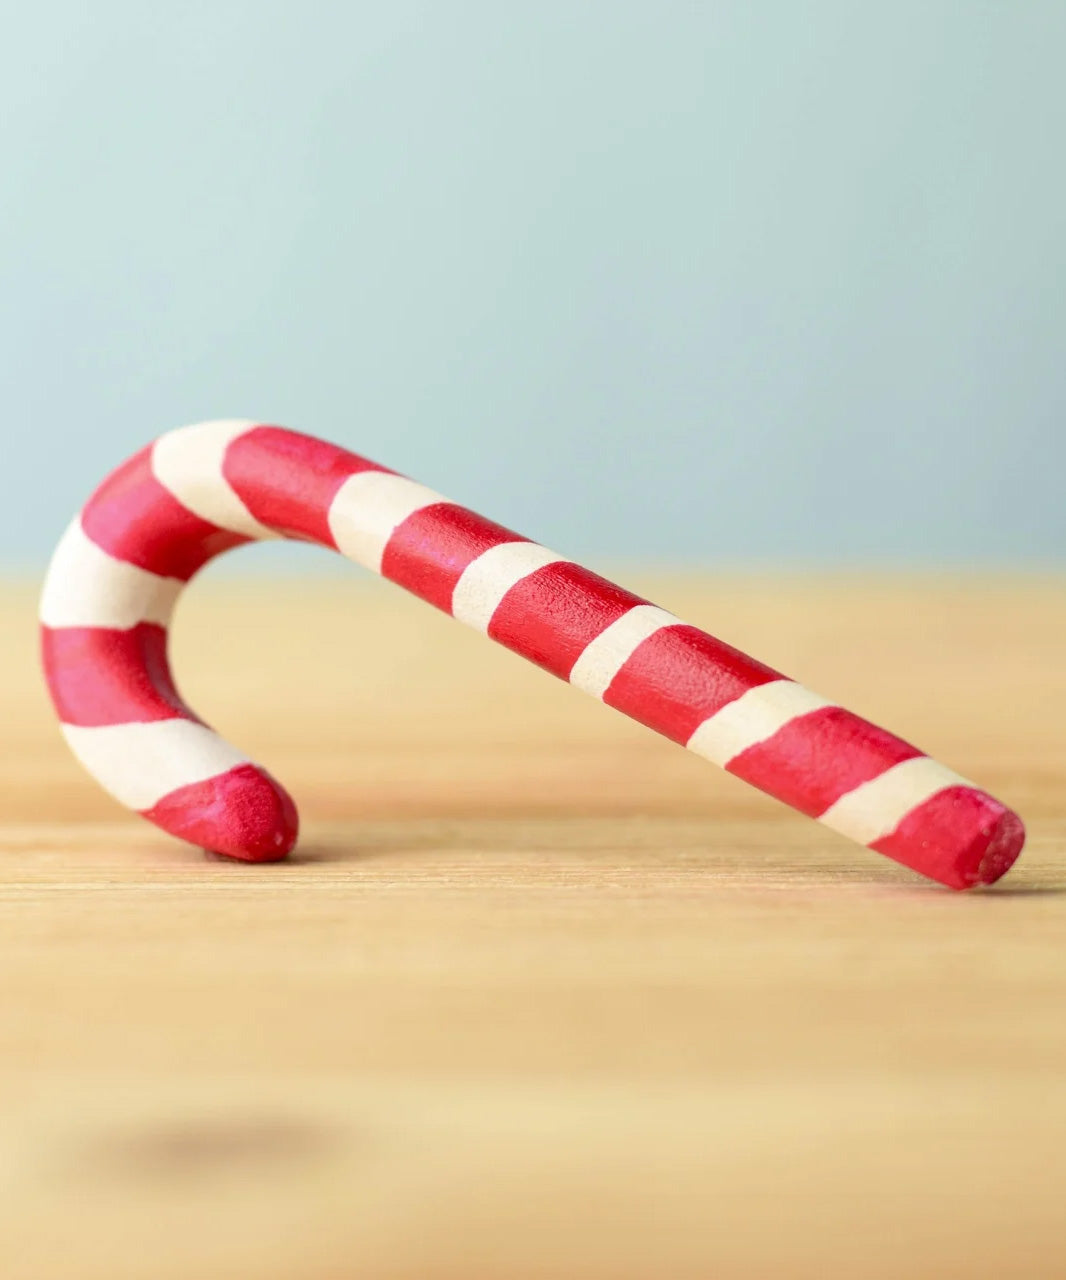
(876, 808)
(188, 463)
(753, 717)
(367, 509)
(486, 580)
(603, 658)
(139, 764)
(87, 587)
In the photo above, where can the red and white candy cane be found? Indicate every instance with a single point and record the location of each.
(201, 490)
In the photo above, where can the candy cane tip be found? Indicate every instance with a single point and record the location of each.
(243, 813)
(1005, 842)
(963, 838)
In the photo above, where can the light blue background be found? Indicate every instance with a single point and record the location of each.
(729, 282)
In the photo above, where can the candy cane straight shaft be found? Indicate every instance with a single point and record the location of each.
(201, 490)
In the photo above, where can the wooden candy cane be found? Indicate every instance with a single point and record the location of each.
(201, 490)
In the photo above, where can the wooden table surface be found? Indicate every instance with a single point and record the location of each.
(541, 995)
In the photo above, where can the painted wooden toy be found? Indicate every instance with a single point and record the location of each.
(201, 490)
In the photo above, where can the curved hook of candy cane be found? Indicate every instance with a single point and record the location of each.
(200, 490)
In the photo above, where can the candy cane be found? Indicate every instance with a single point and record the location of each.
(201, 490)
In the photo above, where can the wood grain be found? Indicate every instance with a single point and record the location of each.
(541, 994)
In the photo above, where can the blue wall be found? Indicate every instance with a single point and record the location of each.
(721, 281)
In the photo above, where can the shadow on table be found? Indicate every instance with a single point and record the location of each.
(772, 855)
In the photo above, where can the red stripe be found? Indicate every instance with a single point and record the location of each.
(243, 812)
(818, 757)
(680, 676)
(288, 481)
(554, 614)
(960, 836)
(100, 676)
(428, 552)
(133, 518)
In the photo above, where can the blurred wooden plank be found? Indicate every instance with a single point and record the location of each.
(541, 994)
